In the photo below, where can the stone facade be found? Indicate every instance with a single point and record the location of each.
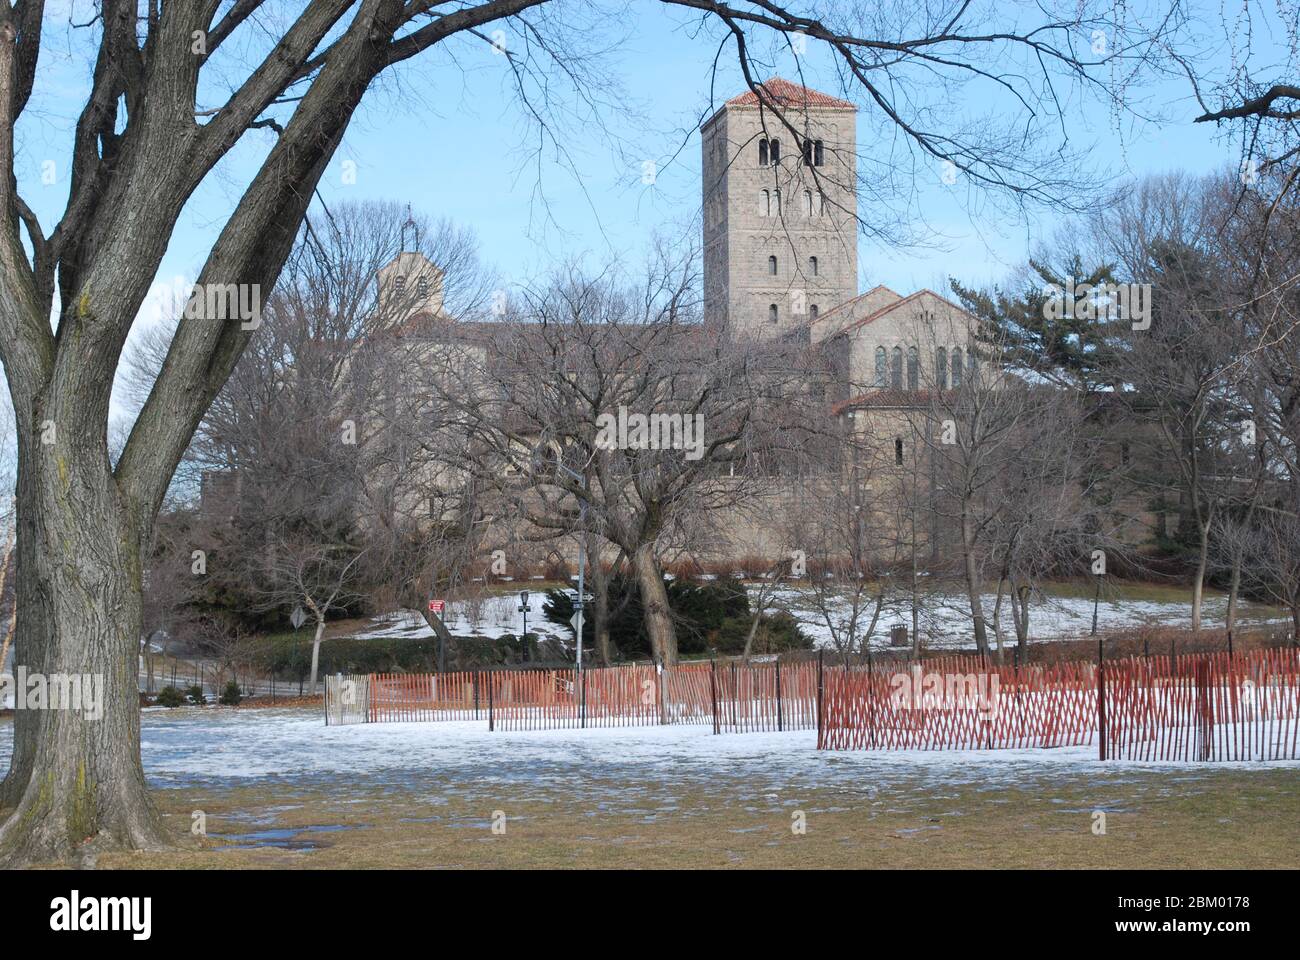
(779, 208)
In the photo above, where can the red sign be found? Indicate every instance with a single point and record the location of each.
(437, 606)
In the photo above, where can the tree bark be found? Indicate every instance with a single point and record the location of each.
(973, 584)
(654, 602)
(600, 599)
(315, 653)
(80, 614)
(1198, 586)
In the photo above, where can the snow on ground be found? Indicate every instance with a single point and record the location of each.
(946, 618)
(230, 747)
(490, 618)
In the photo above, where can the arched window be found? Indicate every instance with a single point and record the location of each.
(898, 451)
(399, 286)
(956, 367)
(774, 151)
(818, 156)
(821, 204)
(972, 367)
(771, 266)
(776, 202)
(762, 153)
(807, 203)
(941, 368)
(812, 266)
(913, 369)
(765, 204)
(896, 369)
(772, 315)
(422, 288)
(882, 365)
(813, 312)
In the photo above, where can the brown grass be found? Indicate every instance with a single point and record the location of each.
(1217, 818)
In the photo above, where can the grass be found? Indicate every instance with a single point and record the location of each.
(1182, 819)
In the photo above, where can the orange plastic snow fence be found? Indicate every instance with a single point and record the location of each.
(1218, 706)
(732, 697)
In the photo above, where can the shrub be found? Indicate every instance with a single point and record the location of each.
(777, 633)
(169, 696)
(699, 610)
(231, 696)
(195, 695)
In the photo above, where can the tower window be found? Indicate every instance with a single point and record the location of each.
(813, 312)
(896, 369)
(774, 151)
(956, 367)
(913, 369)
(762, 153)
(772, 315)
(818, 154)
(771, 266)
(422, 288)
(882, 365)
(941, 368)
(807, 203)
(765, 204)
(399, 285)
(898, 451)
(808, 153)
(812, 266)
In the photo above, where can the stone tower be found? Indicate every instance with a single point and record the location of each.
(410, 284)
(779, 208)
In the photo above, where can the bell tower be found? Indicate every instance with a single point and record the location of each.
(779, 209)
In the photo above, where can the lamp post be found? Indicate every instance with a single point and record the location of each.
(523, 608)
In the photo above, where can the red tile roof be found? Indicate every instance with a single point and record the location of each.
(786, 94)
(883, 397)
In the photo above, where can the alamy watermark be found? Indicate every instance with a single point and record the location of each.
(1099, 301)
(213, 301)
(74, 692)
(917, 690)
(655, 431)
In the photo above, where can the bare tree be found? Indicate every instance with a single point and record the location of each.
(618, 398)
(147, 137)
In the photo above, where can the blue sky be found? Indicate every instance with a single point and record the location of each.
(446, 135)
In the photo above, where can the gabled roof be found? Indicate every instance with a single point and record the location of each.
(848, 304)
(890, 308)
(783, 93)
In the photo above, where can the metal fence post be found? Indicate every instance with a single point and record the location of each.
(1101, 703)
(778, 696)
(491, 718)
(713, 689)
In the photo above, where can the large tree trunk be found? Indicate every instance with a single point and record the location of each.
(1198, 586)
(1234, 590)
(315, 653)
(973, 583)
(79, 614)
(599, 581)
(654, 602)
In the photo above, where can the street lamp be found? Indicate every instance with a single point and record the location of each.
(523, 608)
